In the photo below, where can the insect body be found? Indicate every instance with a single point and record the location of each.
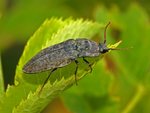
(63, 54)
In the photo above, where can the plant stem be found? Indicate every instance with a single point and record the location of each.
(1, 79)
(135, 99)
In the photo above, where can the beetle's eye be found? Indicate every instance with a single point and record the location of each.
(104, 51)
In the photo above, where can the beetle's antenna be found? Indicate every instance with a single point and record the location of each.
(113, 48)
(105, 32)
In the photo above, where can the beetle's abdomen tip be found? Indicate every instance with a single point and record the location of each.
(27, 69)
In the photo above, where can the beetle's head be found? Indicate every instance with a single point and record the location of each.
(103, 48)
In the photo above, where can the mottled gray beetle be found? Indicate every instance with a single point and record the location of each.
(62, 54)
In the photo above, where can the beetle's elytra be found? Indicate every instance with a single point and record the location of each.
(62, 54)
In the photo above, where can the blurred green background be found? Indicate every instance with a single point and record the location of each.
(120, 83)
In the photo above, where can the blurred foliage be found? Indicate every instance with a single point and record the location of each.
(19, 18)
(121, 82)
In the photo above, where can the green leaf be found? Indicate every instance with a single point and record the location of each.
(93, 93)
(24, 96)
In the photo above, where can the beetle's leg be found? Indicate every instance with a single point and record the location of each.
(47, 79)
(76, 71)
(88, 64)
